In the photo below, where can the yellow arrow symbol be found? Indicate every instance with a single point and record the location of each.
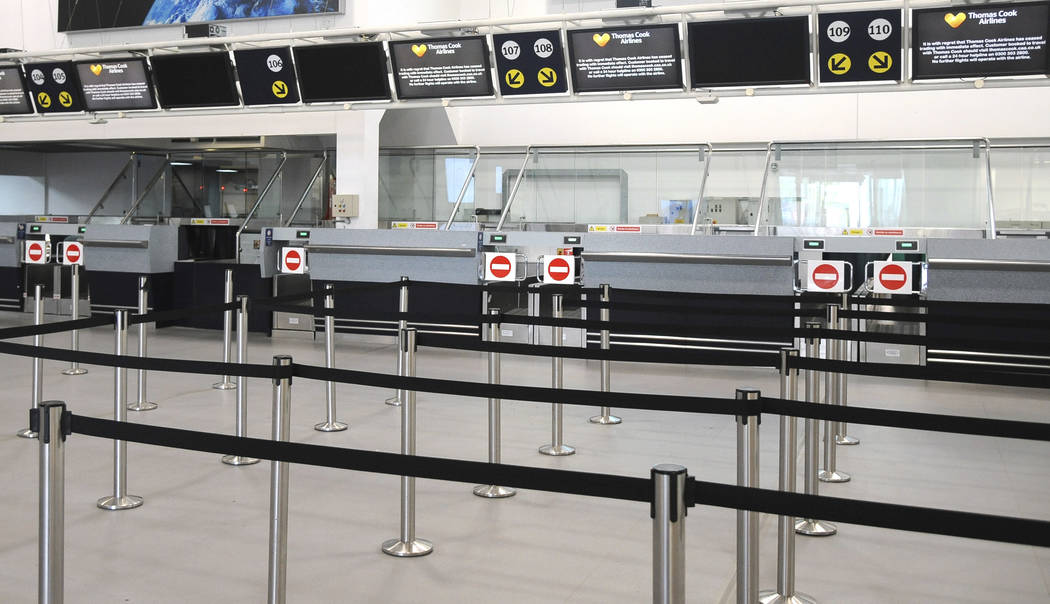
(65, 99)
(548, 77)
(515, 79)
(43, 100)
(839, 64)
(280, 89)
(880, 62)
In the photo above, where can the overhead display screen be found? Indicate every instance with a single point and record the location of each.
(530, 62)
(195, 80)
(54, 87)
(980, 40)
(625, 58)
(441, 68)
(267, 76)
(80, 15)
(116, 85)
(860, 46)
(342, 72)
(749, 52)
(13, 99)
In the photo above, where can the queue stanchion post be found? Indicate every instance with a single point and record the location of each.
(832, 395)
(227, 331)
(408, 545)
(809, 526)
(120, 500)
(785, 592)
(492, 491)
(841, 436)
(53, 428)
(402, 307)
(74, 335)
(38, 363)
(557, 446)
(142, 403)
(668, 513)
(331, 424)
(242, 385)
(278, 550)
(747, 521)
(606, 418)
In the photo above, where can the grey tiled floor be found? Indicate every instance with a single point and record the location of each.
(202, 534)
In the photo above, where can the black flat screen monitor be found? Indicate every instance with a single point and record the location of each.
(13, 97)
(267, 76)
(114, 85)
(749, 52)
(438, 68)
(54, 87)
(195, 80)
(625, 58)
(342, 72)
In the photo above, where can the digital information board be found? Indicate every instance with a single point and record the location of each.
(267, 76)
(861, 46)
(530, 62)
(203, 79)
(116, 85)
(441, 68)
(749, 52)
(54, 87)
(980, 40)
(342, 72)
(625, 58)
(13, 98)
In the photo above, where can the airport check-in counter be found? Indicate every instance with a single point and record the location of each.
(10, 267)
(116, 255)
(54, 277)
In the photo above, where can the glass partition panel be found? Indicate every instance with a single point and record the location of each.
(423, 184)
(1021, 178)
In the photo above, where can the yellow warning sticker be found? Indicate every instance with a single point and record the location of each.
(515, 79)
(839, 64)
(880, 62)
(43, 99)
(65, 99)
(280, 89)
(548, 77)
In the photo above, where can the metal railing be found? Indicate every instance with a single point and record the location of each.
(258, 202)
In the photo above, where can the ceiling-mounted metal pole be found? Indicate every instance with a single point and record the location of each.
(258, 202)
(149, 187)
(109, 189)
(762, 192)
(466, 186)
(707, 153)
(306, 191)
(514, 189)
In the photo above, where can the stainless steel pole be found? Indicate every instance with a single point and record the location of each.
(37, 394)
(785, 592)
(832, 395)
(330, 424)
(408, 545)
(402, 306)
(492, 491)
(120, 500)
(242, 384)
(278, 558)
(809, 526)
(227, 331)
(841, 436)
(142, 404)
(74, 335)
(557, 446)
(747, 521)
(606, 418)
(51, 549)
(668, 515)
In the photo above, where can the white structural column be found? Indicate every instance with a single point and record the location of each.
(357, 163)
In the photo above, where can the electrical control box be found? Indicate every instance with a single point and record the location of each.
(345, 206)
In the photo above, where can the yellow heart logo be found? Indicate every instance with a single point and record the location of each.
(96, 69)
(601, 39)
(419, 49)
(954, 20)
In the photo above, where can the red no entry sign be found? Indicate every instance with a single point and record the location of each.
(35, 252)
(500, 266)
(73, 254)
(893, 277)
(558, 269)
(826, 276)
(292, 261)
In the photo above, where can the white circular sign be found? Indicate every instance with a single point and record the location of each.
(838, 31)
(59, 75)
(37, 76)
(880, 29)
(543, 48)
(275, 63)
(511, 50)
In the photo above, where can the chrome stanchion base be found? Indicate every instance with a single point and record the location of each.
(846, 440)
(114, 503)
(142, 406)
(26, 433)
(393, 401)
(492, 491)
(605, 420)
(237, 460)
(74, 371)
(397, 547)
(331, 427)
(772, 597)
(815, 528)
(836, 476)
(559, 450)
(224, 385)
